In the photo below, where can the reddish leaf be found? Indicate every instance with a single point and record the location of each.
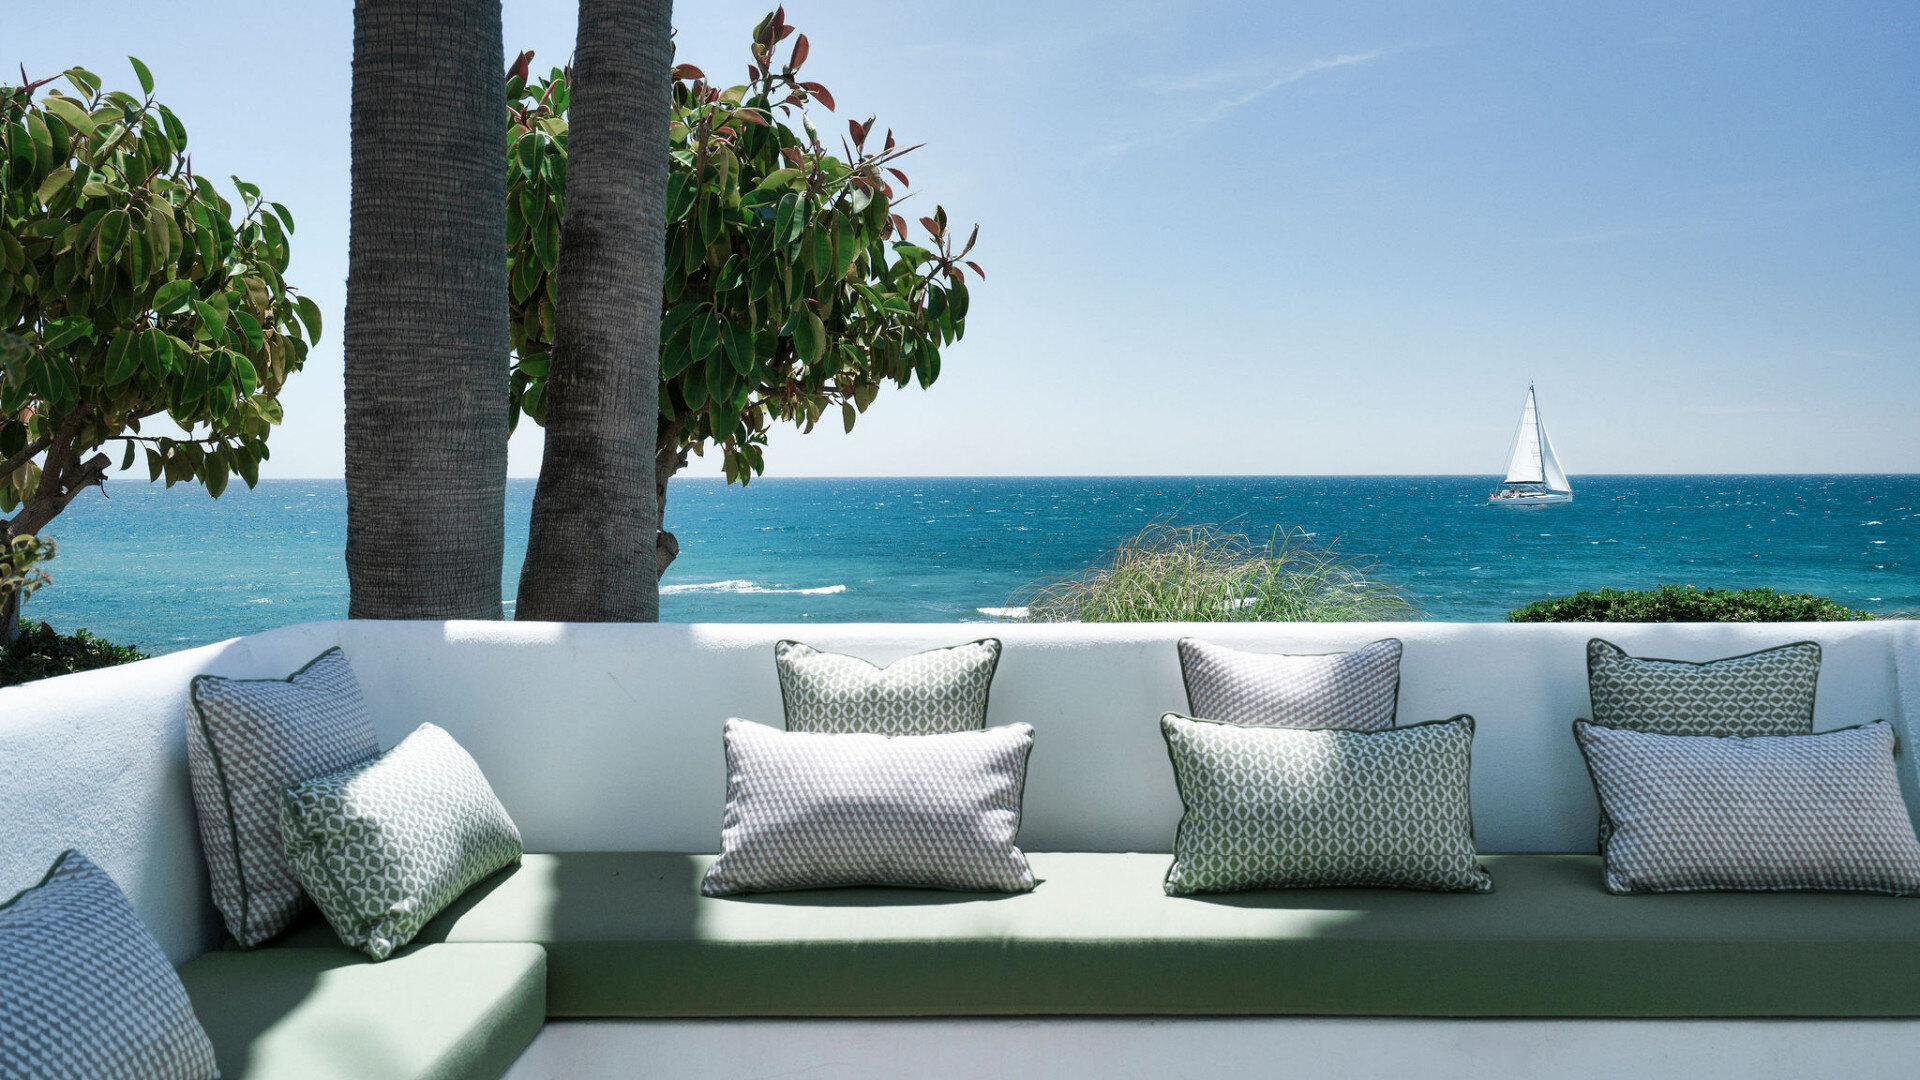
(899, 225)
(820, 92)
(859, 132)
(976, 269)
(933, 227)
(792, 154)
(970, 239)
(900, 176)
(687, 71)
(799, 51)
(751, 117)
(784, 31)
(517, 71)
(753, 72)
(889, 145)
(887, 188)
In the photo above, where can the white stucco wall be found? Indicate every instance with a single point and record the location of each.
(608, 737)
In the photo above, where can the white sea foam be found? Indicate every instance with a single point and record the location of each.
(745, 587)
(1003, 612)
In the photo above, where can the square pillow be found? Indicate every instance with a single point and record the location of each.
(1769, 692)
(1768, 813)
(807, 810)
(1290, 808)
(385, 846)
(928, 693)
(248, 740)
(86, 991)
(1355, 691)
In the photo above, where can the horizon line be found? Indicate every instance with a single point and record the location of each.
(1197, 476)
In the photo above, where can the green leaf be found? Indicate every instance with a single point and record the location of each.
(140, 72)
(546, 243)
(783, 217)
(173, 297)
(69, 112)
(123, 358)
(705, 335)
(309, 317)
(809, 337)
(51, 186)
(739, 344)
(286, 216)
(680, 195)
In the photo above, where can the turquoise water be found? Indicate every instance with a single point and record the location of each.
(170, 569)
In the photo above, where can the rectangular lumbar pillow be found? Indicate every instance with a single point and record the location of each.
(1769, 692)
(248, 740)
(928, 693)
(1768, 813)
(1357, 690)
(385, 846)
(807, 810)
(1283, 808)
(85, 990)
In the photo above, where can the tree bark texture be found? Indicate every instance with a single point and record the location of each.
(426, 319)
(592, 540)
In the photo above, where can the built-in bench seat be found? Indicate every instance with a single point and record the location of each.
(628, 935)
(438, 1012)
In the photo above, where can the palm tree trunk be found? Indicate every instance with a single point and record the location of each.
(426, 321)
(591, 545)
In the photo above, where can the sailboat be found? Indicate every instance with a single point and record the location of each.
(1534, 475)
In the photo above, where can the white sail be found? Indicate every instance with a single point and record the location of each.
(1524, 463)
(1556, 477)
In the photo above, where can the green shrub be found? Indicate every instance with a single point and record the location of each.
(1201, 573)
(40, 653)
(1675, 603)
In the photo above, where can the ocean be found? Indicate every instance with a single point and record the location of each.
(167, 570)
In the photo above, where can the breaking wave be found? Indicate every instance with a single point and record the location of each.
(742, 586)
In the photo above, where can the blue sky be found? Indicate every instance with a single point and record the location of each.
(1258, 238)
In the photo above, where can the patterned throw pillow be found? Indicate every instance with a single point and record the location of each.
(248, 740)
(1766, 814)
(929, 693)
(383, 847)
(86, 992)
(1769, 692)
(808, 810)
(1286, 808)
(1355, 691)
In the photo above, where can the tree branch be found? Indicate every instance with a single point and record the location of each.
(27, 453)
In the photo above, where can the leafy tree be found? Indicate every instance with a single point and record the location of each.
(792, 290)
(426, 328)
(591, 540)
(131, 291)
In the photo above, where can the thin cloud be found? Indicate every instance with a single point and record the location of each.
(1221, 108)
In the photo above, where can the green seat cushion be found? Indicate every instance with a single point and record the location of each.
(630, 935)
(437, 1012)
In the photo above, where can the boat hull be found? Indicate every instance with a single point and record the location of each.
(1531, 498)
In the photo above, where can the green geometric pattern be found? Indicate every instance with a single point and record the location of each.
(1769, 692)
(384, 847)
(1302, 808)
(929, 693)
